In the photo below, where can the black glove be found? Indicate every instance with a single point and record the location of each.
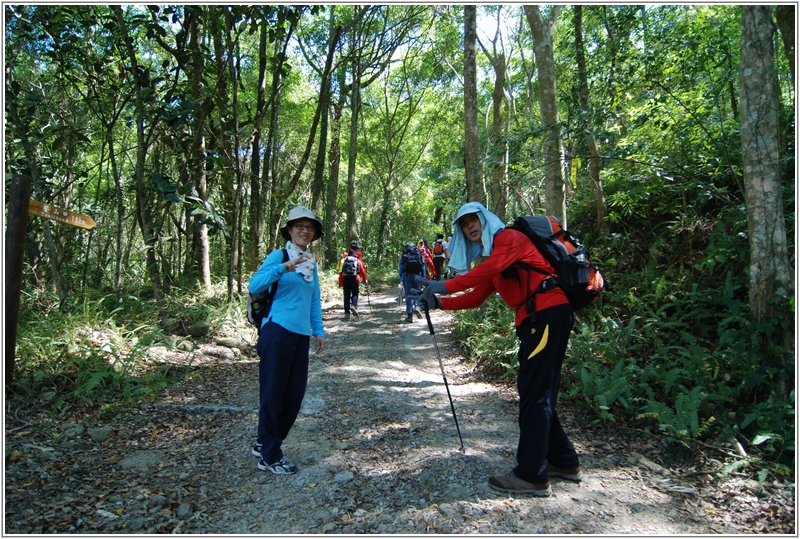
(431, 288)
(425, 303)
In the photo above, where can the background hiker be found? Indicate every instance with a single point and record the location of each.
(411, 266)
(428, 268)
(283, 344)
(543, 321)
(449, 272)
(354, 246)
(352, 272)
(438, 251)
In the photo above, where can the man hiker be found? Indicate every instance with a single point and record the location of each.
(352, 272)
(543, 322)
(411, 266)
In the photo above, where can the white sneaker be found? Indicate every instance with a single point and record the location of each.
(282, 467)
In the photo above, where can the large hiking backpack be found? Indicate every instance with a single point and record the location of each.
(580, 280)
(411, 261)
(258, 305)
(438, 249)
(350, 267)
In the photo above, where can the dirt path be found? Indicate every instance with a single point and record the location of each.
(376, 446)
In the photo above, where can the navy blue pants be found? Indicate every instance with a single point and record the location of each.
(282, 381)
(543, 343)
(409, 283)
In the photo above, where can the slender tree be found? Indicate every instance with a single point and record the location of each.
(472, 158)
(555, 200)
(770, 274)
(141, 83)
(599, 197)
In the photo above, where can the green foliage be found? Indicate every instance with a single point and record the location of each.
(100, 352)
(487, 334)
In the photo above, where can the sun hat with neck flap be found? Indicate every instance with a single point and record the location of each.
(301, 212)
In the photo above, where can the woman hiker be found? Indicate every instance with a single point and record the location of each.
(283, 342)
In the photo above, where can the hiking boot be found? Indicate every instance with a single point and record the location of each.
(418, 313)
(256, 450)
(353, 310)
(570, 474)
(409, 317)
(282, 467)
(347, 316)
(512, 483)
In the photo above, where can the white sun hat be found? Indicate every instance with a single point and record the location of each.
(300, 212)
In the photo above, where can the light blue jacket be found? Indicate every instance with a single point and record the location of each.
(297, 306)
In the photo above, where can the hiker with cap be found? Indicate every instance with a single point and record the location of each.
(285, 335)
(352, 272)
(543, 322)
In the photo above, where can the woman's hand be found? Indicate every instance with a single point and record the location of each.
(290, 265)
(320, 345)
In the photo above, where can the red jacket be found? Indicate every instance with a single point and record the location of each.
(509, 246)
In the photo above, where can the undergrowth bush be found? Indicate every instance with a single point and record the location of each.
(96, 354)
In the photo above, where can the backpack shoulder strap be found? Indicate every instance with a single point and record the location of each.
(275, 284)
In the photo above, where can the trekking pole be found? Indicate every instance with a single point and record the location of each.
(439, 356)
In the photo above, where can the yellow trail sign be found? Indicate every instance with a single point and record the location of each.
(48, 211)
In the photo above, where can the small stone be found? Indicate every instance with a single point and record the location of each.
(184, 510)
(100, 434)
(329, 527)
(199, 329)
(137, 523)
(345, 476)
(229, 342)
(156, 501)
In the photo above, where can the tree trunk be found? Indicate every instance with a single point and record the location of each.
(599, 197)
(268, 173)
(200, 178)
(472, 157)
(235, 227)
(334, 160)
(770, 273)
(318, 182)
(499, 197)
(112, 155)
(255, 219)
(143, 213)
(351, 228)
(555, 200)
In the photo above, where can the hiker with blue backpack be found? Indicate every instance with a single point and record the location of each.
(543, 323)
(352, 272)
(411, 266)
(284, 337)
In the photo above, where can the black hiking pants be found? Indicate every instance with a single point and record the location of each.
(438, 263)
(350, 288)
(542, 440)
